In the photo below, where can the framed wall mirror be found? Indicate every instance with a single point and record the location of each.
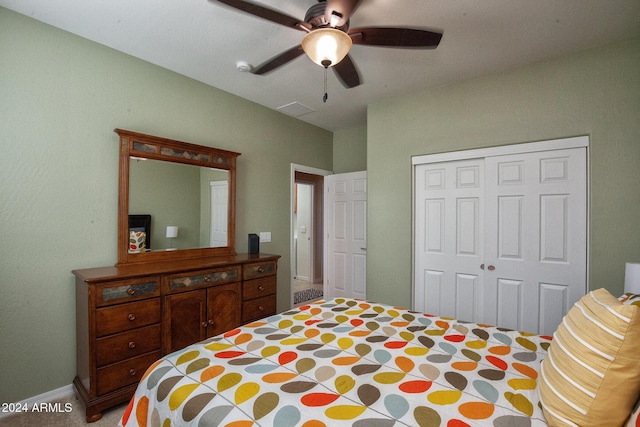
(186, 191)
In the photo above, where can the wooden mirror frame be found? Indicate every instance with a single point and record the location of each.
(134, 144)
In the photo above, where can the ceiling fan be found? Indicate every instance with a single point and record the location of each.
(329, 37)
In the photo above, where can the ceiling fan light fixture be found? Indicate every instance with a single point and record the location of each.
(326, 46)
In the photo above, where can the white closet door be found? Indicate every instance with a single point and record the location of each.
(346, 211)
(449, 245)
(502, 239)
(535, 238)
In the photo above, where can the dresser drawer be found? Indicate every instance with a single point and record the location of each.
(255, 270)
(258, 308)
(124, 317)
(127, 372)
(259, 287)
(125, 345)
(128, 290)
(217, 276)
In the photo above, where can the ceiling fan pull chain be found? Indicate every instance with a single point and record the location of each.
(324, 98)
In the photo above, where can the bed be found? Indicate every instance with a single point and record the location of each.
(348, 362)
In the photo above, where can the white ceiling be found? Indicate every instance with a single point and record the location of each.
(204, 40)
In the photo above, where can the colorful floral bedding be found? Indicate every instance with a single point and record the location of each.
(347, 362)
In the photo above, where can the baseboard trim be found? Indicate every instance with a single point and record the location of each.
(49, 396)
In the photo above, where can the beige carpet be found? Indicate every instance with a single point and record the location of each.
(74, 418)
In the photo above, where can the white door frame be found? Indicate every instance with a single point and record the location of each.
(292, 189)
(555, 144)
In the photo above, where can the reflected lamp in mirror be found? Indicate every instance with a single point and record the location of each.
(172, 233)
(632, 278)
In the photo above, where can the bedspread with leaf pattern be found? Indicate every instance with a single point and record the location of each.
(347, 362)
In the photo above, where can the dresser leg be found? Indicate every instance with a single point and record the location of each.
(93, 418)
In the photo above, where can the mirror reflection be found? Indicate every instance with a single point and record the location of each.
(188, 205)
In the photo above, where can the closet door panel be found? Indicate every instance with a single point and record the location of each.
(535, 237)
(449, 251)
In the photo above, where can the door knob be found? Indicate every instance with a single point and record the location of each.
(491, 268)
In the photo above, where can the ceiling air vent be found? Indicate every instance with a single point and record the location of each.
(294, 109)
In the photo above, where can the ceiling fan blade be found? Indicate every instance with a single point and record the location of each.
(347, 72)
(268, 14)
(338, 12)
(395, 37)
(278, 60)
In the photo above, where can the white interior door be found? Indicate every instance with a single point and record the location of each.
(219, 213)
(501, 239)
(535, 238)
(449, 250)
(346, 220)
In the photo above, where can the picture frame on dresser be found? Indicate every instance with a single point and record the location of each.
(153, 302)
(141, 223)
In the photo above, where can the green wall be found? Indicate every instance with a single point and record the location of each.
(595, 93)
(61, 97)
(170, 193)
(350, 150)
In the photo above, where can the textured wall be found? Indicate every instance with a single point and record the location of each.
(61, 97)
(350, 150)
(595, 93)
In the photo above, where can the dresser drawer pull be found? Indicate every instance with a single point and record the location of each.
(131, 291)
(131, 317)
(132, 372)
(207, 278)
(132, 344)
(204, 324)
(261, 308)
(261, 288)
(261, 269)
(211, 322)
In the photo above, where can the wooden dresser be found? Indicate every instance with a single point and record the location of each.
(130, 315)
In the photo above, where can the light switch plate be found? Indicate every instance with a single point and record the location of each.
(265, 236)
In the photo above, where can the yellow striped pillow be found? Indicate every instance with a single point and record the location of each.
(591, 375)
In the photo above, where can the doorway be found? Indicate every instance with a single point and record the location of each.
(307, 242)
